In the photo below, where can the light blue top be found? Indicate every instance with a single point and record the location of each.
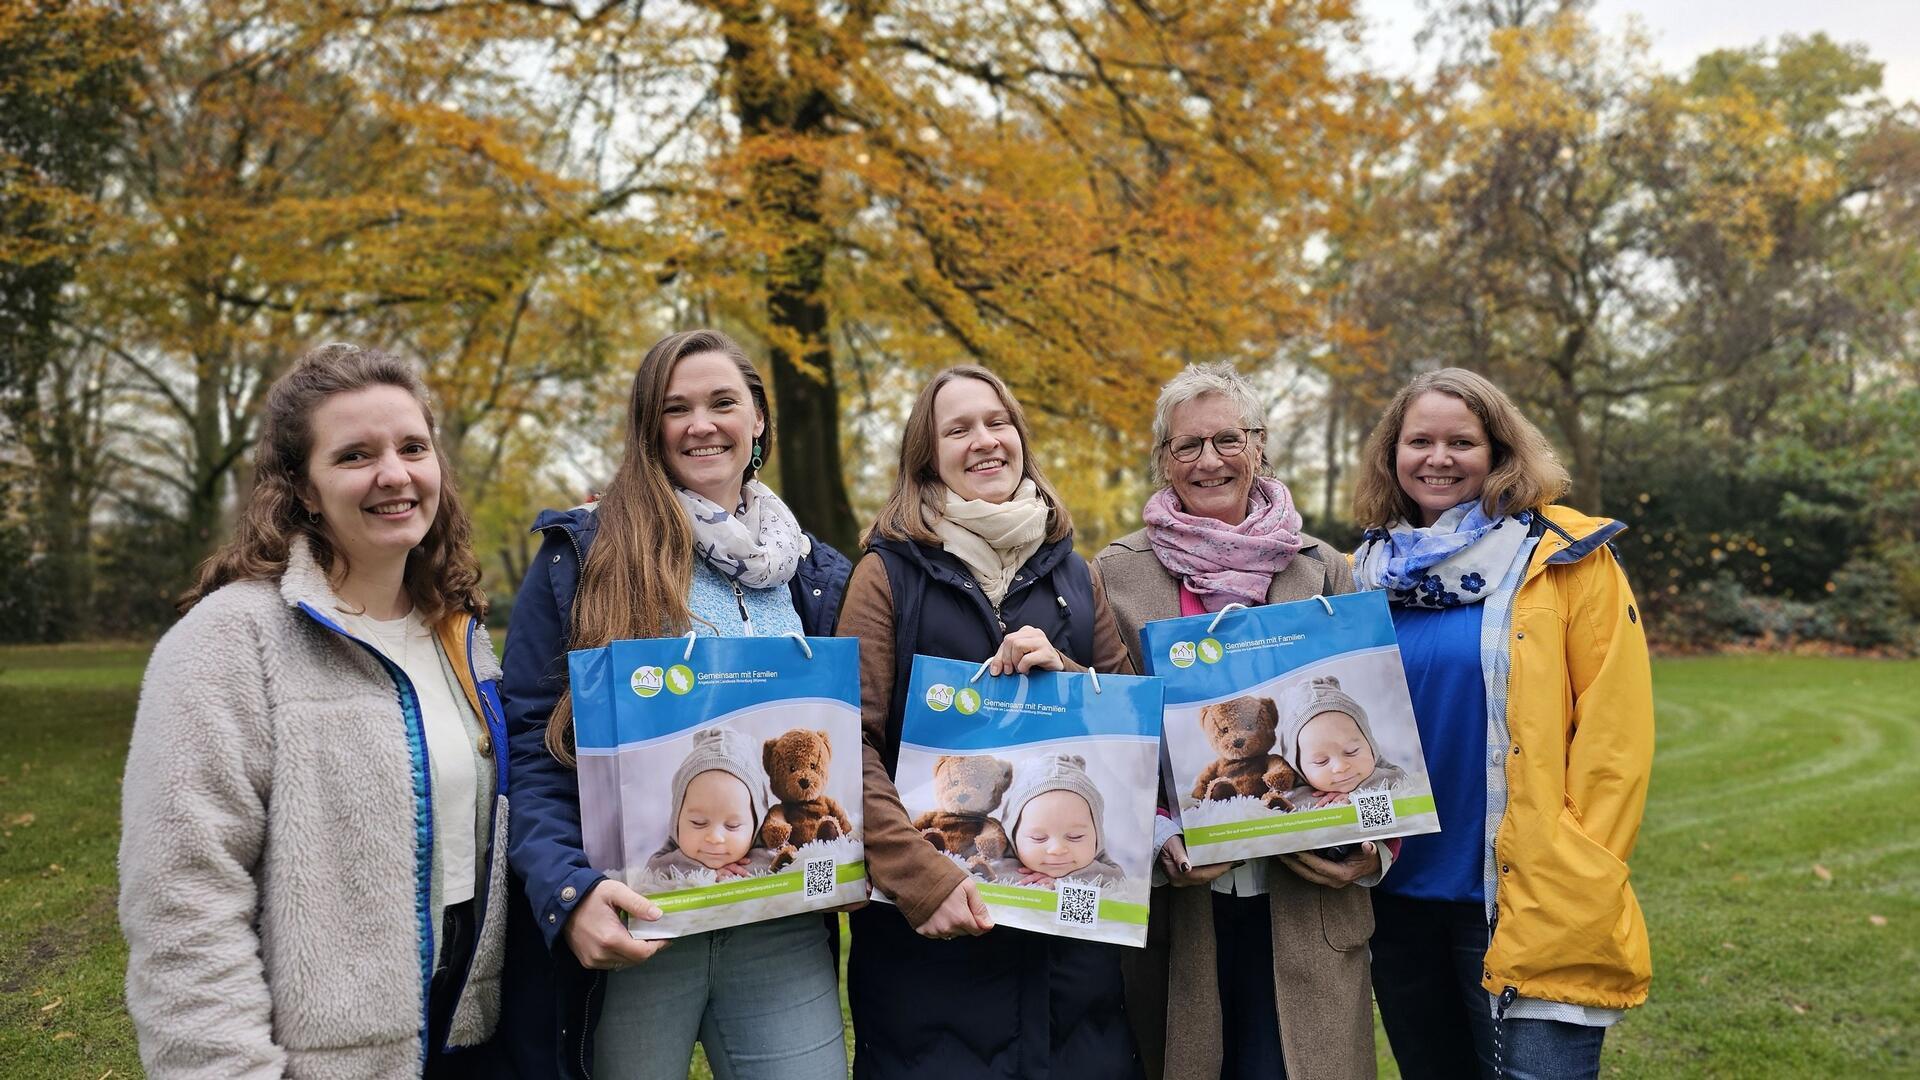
(717, 612)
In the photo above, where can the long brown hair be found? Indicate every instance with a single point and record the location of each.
(1526, 474)
(640, 568)
(442, 576)
(918, 501)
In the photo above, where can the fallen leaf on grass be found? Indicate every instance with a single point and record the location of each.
(20, 819)
(1822, 872)
(1797, 1008)
(1877, 920)
(52, 1005)
(1729, 945)
(65, 1035)
(1704, 846)
(1739, 879)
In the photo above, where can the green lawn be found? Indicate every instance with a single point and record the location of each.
(1779, 868)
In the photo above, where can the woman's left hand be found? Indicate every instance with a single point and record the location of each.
(1024, 650)
(1334, 875)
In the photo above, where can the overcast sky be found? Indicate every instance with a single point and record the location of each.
(1683, 29)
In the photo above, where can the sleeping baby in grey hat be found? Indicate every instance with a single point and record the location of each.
(1054, 815)
(1325, 737)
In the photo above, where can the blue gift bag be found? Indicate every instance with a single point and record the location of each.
(721, 777)
(1042, 787)
(1288, 727)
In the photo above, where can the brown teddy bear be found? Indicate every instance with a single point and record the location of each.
(1242, 732)
(966, 788)
(796, 765)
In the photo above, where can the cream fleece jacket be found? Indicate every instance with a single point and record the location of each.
(276, 865)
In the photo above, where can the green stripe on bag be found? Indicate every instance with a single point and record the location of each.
(755, 888)
(1044, 900)
(1300, 821)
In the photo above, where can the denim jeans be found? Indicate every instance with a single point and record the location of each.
(762, 998)
(1427, 957)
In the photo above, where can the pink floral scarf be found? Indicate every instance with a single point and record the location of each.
(1226, 564)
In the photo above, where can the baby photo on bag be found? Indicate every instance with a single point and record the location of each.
(1289, 728)
(1041, 787)
(721, 778)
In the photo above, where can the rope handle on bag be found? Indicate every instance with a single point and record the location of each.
(1223, 614)
(802, 639)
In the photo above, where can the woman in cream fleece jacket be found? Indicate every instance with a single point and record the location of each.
(312, 858)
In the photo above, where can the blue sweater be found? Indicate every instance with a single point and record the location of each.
(1441, 652)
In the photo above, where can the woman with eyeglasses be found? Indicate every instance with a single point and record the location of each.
(1257, 969)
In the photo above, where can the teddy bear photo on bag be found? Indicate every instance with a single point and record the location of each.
(1040, 786)
(721, 778)
(1288, 728)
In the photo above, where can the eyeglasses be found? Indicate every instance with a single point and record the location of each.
(1227, 442)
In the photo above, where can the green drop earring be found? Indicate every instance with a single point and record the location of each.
(754, 465)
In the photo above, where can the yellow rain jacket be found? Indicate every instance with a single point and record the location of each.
(1578, 753)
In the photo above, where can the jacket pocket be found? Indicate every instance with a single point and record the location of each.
(1346, 917)
(1565, 909)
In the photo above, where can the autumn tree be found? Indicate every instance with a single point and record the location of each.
(62, 81)
(1082, 196)
(298, 172)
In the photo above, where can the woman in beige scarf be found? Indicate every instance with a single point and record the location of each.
(972, 558)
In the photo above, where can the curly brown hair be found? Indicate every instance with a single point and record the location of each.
(442, 574)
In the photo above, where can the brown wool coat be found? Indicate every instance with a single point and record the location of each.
(1320, 975)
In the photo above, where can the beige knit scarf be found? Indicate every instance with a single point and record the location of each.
(995, 539)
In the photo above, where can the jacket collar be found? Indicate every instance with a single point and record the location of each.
(304, 587)
(1568, 536)
(304, 584)
(580, 522)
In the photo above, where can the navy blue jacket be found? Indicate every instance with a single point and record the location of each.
(551, 1002)
(1008, 1005)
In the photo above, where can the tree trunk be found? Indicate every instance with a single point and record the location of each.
(805, 399)
(787, 194)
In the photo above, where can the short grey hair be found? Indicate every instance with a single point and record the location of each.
(1197, 381)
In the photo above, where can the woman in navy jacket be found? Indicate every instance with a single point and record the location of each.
(972, 558)
(553, 1002)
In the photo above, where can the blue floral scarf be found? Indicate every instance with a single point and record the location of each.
(1459, 559)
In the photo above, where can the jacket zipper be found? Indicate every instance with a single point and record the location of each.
(740, 599)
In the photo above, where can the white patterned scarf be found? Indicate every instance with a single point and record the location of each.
(995, 539)
(759, 544)
(1459, 559)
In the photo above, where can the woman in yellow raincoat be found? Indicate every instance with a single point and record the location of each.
(1507, 943)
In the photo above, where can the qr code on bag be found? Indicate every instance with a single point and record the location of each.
(820, 874)
(1375, 809)
(1079, 905)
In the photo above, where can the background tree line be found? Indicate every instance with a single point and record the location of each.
(1701, 283)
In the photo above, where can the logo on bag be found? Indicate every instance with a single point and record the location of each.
(1181, 654)
(940, 697)
(646, 681)
(1211, 651)
(967, 701)
(679, 678)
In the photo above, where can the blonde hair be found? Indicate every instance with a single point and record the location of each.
(1526, 473)
(442, 575)
(918, 500)
(640, 568)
